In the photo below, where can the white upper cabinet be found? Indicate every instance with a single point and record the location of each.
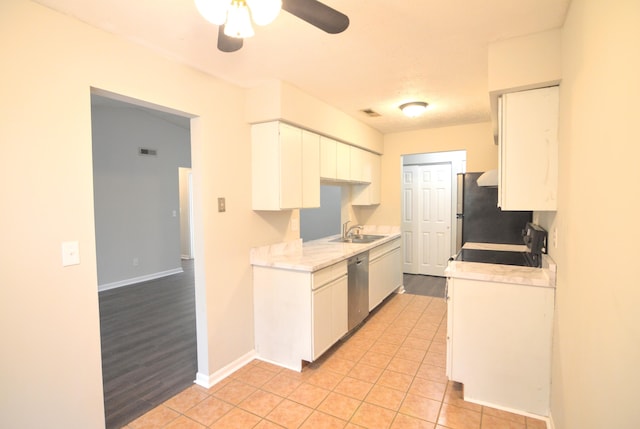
(528, 150)
(310, 169)
(343, 162)
(360, 165)
(368, 194)
(328, 166)
(285, 167)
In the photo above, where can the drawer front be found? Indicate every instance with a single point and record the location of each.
(326, 275)
(378, 251)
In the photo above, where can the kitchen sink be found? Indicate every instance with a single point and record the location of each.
(360, 239)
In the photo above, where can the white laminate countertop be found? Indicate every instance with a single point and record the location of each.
(316, 254)
(544, 277)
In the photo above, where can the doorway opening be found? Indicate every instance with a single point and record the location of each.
(144, 249)
(428, 210)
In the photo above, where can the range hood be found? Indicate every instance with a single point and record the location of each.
(489, 179)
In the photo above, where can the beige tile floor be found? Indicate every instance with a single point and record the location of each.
(389, 374)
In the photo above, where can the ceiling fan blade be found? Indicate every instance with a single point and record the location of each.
(226, 43)
(317, 14)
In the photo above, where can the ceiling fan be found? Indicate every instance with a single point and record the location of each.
(234, 23)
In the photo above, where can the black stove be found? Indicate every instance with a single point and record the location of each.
(493, 257)
(533, 236)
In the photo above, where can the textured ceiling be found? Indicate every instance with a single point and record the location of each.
(393, 51)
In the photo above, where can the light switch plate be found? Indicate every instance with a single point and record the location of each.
(222, 205)
(70, 253)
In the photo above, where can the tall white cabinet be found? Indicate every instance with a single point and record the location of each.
(528, 149)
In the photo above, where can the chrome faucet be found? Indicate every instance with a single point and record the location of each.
(347, 232)
(344, 229)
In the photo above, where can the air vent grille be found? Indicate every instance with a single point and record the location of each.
(147, 152)
(370, 112)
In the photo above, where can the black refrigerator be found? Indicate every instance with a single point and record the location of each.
(479, 218)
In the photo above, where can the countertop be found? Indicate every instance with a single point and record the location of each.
(544, 277)
(317, 254)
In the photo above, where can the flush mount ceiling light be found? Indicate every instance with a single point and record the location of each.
(414, 108)
(236, 15)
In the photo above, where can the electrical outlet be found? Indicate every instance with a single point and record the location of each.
(222, 205)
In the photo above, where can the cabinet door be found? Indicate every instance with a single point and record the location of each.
(449, 360)
(290, 168)
(528, 139)
(310, 169)
(360, 170)
(501, 332)
(343, 162)
(376, 283)
(328, 148)
(322, 329)
(330, 315)
(339, 308)
(375, 188)
(366, 195)
(385, 274)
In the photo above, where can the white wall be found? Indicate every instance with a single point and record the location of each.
(278, 100)
(136, 198)
(186, 241)
(596, 350)
(476, 139)
(49, 321)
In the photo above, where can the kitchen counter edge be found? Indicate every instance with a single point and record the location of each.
(312, 255)
(542, 277)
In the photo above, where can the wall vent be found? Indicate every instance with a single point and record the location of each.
(147, 152)
(370, 112)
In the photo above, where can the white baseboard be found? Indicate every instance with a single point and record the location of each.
(139, 279)
(207, 381)
(550, 423)
(511, 410)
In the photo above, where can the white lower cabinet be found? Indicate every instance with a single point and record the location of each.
(298, 315)
(330, 315)
(499, 343)
(385, 271)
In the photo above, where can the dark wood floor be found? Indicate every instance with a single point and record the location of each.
(418, 284)
(148, 334)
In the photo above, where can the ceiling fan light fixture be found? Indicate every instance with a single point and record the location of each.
(214, 11)
(264, 12)
(238, 20)
(413, 108)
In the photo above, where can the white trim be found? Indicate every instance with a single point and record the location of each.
(510, 410)
(550, 423)
(208, 381)
(296, 368)
(139, 279)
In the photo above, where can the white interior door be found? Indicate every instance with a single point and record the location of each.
(426, 218)
(410, 231)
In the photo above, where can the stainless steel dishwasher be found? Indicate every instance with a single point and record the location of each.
(358, 278)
